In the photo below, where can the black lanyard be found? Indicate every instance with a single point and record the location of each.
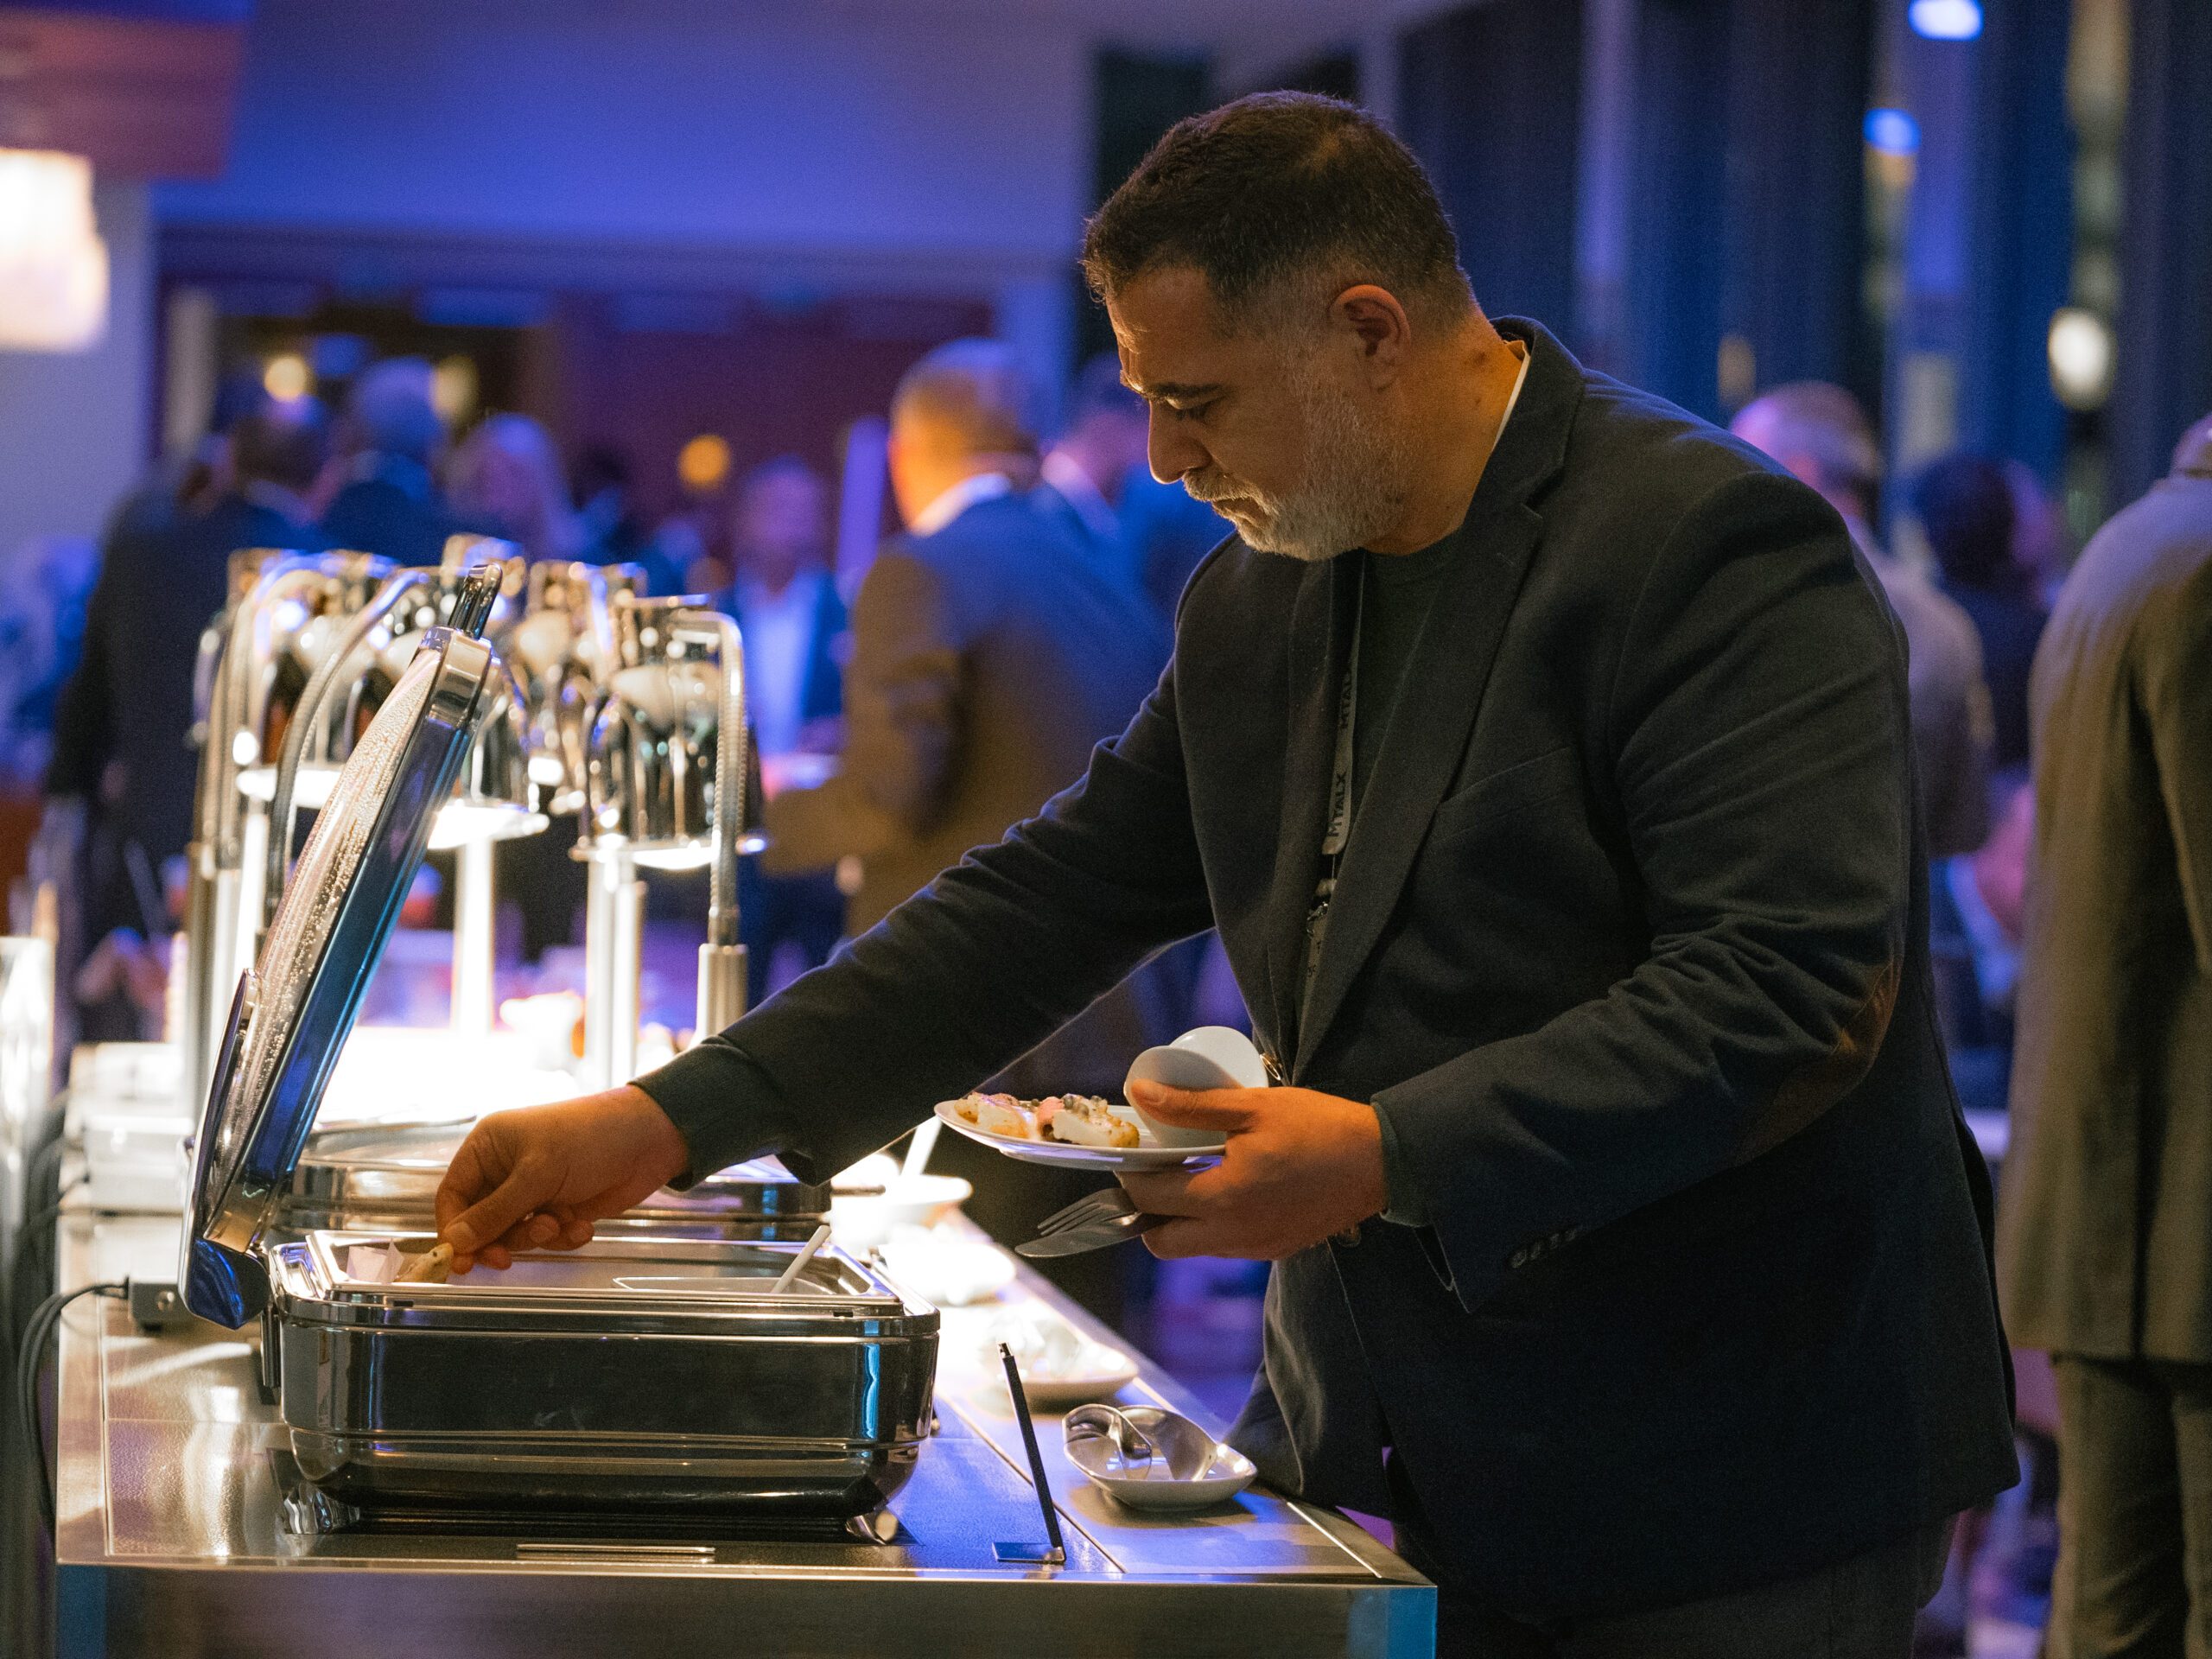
(1337, 833)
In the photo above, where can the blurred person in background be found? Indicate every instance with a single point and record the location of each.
(2105, 1226)
(2043, 543)
(990, 655)
(384, 496)
(505, 480)
(122, 735)
(1173, 531)
(1975, 915)
(614, 532)
(1820, 433)
(793, 623)
(1087, 467)
(1964, 503)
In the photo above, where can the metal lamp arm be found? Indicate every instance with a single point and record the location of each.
(721, 959)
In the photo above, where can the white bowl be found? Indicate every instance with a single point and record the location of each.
(861, 1222)
(1211, 1057)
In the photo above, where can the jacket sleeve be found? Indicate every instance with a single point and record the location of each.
(2174, 681)
(1758, 738)
(962, 978)
(902, 712)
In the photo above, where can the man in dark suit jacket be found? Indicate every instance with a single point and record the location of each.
(793, 624)
(388, 501)
(2106, 1249)
(122, 734)
(1630, 1246)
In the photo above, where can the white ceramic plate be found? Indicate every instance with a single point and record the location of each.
(1102, 1373)
(1147, 1153)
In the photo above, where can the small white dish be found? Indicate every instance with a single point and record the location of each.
(1059, 1365)
(1211, 1057)
(1147, 1153)
(945, 1269)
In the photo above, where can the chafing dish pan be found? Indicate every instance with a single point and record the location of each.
(643, 1373)
(387, 1176)
(635, 1375)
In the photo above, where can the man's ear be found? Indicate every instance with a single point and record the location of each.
(1379, 326)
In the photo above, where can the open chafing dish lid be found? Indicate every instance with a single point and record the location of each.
(293, 1011)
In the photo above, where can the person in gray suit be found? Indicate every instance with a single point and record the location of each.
(2105, 1247)
(991, 652)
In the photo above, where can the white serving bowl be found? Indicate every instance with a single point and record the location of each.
(1211, 1057)
(862, 1221)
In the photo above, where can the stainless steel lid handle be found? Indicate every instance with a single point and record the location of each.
(479, 592)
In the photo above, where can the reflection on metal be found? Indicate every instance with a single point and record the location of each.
(275, 635)
(634, 1375)
(291, 1015)
(491, 800)
(558, 648)
(173, 1477)
(671, 783)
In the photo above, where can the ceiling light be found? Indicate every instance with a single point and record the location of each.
(1945, 20)
(52, 264)
(2081, 348)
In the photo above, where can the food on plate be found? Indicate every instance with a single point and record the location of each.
(429, 1267)
(1084, 1120)
(997, 1115)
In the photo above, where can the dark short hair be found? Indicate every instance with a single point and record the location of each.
(1273, 188)
(1964, 502)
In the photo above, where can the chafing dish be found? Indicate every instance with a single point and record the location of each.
(646, 1372)
(387, 1176)
(637, 1374)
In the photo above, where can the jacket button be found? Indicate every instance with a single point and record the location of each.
(1518, 1259)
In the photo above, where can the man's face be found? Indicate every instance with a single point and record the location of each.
(781, 522)
(1277, 428)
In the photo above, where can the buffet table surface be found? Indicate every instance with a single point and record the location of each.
(181, 1533)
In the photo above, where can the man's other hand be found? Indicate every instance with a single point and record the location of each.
(538, 1179)
(1300, 1167)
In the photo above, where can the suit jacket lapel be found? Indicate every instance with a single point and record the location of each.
(1319, 641)
(1426, 737)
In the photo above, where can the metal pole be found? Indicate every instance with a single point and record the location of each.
(475, 943)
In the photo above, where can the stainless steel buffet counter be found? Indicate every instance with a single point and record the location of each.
(182, 1533)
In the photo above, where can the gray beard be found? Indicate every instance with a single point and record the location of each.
(1354, 486)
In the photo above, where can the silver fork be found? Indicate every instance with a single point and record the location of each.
(1091, 1222)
